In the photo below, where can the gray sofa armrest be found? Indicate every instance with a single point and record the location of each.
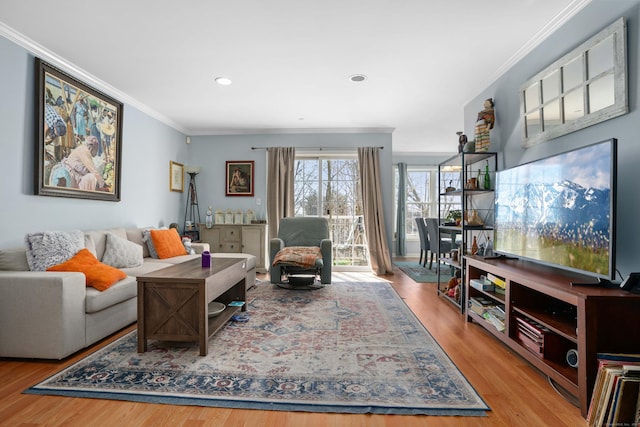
(200, 247)
(42, 314)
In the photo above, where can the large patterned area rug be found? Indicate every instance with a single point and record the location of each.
(350, 347)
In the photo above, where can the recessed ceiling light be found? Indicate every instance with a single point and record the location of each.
(224, 81)
(357, 78)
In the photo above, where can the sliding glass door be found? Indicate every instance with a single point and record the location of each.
(328, 186)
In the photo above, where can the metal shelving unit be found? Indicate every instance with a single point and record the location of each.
(456, 191)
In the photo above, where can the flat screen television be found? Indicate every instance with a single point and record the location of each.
(560, 210)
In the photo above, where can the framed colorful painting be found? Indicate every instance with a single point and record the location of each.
(239, 180)
(79, 138)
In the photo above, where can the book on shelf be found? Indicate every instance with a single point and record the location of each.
(616, 399)
(499, 290)
(496, 280)
(482, 285)
(480, 305)
(495, 316)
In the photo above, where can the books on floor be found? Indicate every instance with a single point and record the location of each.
(616, 398)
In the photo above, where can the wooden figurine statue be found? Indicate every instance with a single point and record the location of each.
(484, 124)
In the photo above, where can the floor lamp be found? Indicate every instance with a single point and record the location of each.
(191, 211)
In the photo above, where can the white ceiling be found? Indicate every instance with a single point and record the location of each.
(290, 60)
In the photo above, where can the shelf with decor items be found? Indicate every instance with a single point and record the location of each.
(557, 327)
(465, 212)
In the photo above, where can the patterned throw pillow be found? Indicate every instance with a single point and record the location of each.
(48, 248)
(146, 237)
(121, 253)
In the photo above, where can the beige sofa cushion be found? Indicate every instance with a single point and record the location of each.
(123, 290)
(251, 259)
(173, 260)
(14, 259)
(146, 267)
(135, 235)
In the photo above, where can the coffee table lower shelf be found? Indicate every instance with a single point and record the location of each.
(218, 322)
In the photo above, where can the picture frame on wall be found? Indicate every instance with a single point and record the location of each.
(176, 176)
(239, 178)
(78, 138)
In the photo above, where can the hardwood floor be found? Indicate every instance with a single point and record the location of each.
(517, 394)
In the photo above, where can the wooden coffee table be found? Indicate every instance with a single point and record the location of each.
(173, 302)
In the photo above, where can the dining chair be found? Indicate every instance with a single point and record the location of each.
(424, 241)
(438, 244)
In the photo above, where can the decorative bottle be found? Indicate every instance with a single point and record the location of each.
(474, 246)
(487, 181)
(209, 218)
(488, 248)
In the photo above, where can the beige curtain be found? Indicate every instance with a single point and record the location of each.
(280, 199)
(369, 166)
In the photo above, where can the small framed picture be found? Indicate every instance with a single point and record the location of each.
(176, 176)
(239, 178)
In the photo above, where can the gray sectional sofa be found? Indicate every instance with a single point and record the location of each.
(50, 315)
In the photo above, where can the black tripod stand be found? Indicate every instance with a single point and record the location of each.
(190, 227)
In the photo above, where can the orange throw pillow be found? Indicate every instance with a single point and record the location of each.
(98, 275)
(167, 243)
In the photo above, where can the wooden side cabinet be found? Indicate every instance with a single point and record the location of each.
(545, 317)
(238, 238)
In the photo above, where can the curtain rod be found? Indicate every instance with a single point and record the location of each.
(317, 148)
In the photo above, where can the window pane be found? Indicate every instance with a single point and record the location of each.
(573, 105)
(601, 93)
(532, 97)
(600, 57)
(572, 74)
(532, 123)
(551, 114)
(551, 86)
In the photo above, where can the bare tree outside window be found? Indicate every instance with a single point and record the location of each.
(329, 187)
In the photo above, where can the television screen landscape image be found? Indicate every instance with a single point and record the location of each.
(560, 210)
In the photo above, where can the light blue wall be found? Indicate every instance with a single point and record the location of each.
(212, 152)
(147, 148)
(506, 136)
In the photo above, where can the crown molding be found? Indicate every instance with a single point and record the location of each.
(80, 74)
(556, 22)
(270, 131)
(89, 79)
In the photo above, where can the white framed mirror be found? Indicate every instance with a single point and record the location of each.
(584, 87)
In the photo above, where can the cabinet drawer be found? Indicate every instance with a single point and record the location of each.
(231, 234)
(233, 247)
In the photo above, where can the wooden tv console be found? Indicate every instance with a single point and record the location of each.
(586, 319)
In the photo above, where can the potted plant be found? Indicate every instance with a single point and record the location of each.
(454, 215)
